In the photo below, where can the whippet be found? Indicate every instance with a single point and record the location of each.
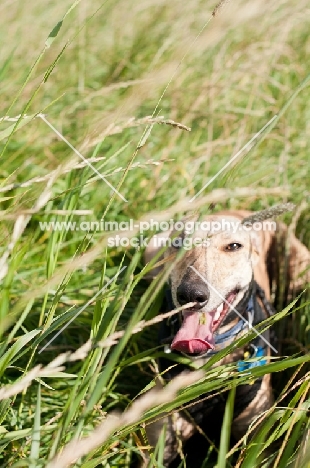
(226, 272)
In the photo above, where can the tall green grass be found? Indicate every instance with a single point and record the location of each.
(97, 71)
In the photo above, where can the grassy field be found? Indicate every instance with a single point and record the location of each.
(110, 78)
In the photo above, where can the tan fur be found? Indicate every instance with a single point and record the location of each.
(224, 270)
(261, 403)
(265, 245)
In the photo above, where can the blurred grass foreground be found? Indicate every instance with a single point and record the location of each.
(100, 94)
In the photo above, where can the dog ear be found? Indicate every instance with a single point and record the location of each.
(155, 245)
(256, 247)
(289, 256)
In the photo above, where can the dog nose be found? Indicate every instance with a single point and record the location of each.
(193, 292)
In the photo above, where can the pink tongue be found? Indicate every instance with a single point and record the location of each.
(195, 336)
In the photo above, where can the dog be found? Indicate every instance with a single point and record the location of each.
(227, 275)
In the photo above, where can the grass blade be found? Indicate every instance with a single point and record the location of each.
(36, 433)
(226, 429)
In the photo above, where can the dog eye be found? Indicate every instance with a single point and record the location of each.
(233, 247)
(177, 243)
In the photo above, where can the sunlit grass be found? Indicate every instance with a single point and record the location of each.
(98, 76)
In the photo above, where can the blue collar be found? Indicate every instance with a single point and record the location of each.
(256, 351)
(224, 339)
(229, 335)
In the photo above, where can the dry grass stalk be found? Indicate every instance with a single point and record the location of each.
(271, 212)
(219, 7)
(303, 455)
(81, 353)
(114, 129)
(78, 448)
(37, 372)
(7, 118)
(13, 216)
(21, 224)
(68, 167)
(71, 166)
(292, 425)
(112, 339)
(182, 206)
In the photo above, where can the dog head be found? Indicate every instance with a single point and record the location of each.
(215, 272)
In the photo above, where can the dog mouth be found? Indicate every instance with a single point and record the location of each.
(196, 335)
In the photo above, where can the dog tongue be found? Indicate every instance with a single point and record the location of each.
(195, 334)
